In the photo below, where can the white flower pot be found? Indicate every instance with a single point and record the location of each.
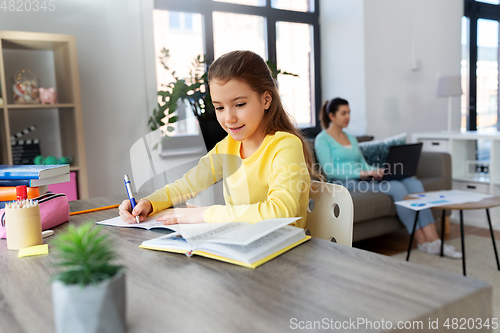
(98, 308)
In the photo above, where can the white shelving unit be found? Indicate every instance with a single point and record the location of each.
(462, 148)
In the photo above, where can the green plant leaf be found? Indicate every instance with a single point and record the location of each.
(86, 253)
(162, 108)
(288, 73)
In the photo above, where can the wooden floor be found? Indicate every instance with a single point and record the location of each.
(397, 242)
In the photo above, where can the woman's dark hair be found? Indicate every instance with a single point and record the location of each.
(331, 106)
(250, 68)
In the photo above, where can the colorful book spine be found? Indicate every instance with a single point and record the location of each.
(32, 171)
(10, 194)
(15, 182)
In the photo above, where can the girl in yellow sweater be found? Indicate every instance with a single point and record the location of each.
(264, 162)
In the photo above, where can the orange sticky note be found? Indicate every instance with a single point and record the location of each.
(33, 250)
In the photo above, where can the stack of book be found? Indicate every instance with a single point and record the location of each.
(35, 177)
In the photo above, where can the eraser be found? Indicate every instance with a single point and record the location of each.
(47, 233)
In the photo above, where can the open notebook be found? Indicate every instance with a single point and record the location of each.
(240, 243)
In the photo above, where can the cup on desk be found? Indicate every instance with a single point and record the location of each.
(23, 226)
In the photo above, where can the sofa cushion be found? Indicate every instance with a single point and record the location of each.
(375, 152)
(371, 205)
(396, 140)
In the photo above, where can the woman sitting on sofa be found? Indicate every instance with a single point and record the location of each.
(343, 163)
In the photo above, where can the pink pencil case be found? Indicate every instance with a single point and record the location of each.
(54, 210)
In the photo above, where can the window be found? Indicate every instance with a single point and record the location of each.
(171, 30)
(286, 32)
(174, 20)
(480, 28)
(294, 49)
(480, 58)
(464, 70)
(494, 2)
(230, 27)
(487, 75)
(298, 5)
(246, 2)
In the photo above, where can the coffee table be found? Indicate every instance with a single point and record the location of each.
(486, 204)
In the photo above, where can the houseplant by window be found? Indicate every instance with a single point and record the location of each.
(89, 295)
(195, 90)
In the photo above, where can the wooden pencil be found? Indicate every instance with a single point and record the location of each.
(93, 210)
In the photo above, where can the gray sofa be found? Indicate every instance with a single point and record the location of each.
(375, 213)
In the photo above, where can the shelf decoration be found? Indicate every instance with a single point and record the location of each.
(52, 160)
(477, 169)
(24, 151)
(48, 96)
(25, 88)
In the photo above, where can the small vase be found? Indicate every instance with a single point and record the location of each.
(97, 308)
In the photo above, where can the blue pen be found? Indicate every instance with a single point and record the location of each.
(130, 195)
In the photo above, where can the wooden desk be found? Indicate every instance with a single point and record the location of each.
(169, 292)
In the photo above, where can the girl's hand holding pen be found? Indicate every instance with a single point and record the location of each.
(142, 210)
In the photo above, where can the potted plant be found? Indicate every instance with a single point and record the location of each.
(196, 91)
(89, 295)
(193, 90)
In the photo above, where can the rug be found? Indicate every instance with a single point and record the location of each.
(479, 260)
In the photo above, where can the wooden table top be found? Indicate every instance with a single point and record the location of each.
(491, 202)
(317, 281)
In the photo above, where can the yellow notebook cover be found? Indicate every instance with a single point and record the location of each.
(232, 261)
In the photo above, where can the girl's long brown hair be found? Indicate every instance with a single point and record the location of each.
(253, 70)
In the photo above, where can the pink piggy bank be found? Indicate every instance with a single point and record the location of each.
(47, 96)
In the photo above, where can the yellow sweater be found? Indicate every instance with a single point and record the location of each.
(272, 182)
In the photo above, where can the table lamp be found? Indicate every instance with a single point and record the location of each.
(449, 86)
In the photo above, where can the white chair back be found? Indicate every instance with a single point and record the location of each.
(330, 213)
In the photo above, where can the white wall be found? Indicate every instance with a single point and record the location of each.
(117, 77)
(368, 48)
(398, 98)
(343, 57)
